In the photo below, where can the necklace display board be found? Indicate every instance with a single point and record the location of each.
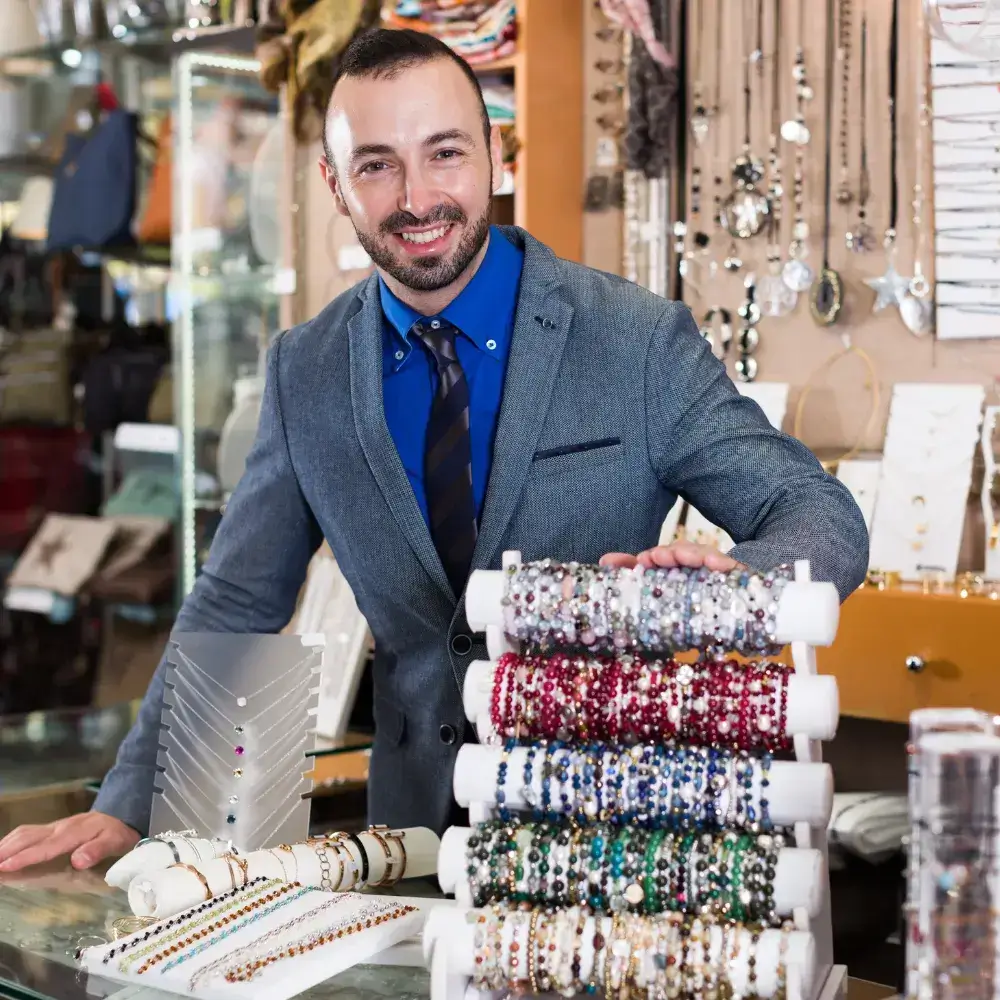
(861, 476)
(926, 474)
(238, 717)
(686, 780)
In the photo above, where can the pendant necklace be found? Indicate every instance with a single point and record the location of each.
(774, 296)
(861, 238)
(891, 286)
(796, 273)
(749, 337)
(827, 294)
(731, 262)
(844, 25)
(745, 212)
(915, 305)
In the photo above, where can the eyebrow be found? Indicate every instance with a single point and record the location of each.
(382, 149)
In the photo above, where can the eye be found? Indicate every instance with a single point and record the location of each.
(447, 154)
(373, 167)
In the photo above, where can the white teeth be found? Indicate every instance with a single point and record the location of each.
(428, 237)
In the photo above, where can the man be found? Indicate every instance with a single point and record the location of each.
(478, 395)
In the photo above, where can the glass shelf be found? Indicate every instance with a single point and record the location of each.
(349, 743)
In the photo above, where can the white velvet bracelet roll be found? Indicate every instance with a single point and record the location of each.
(163, 893)
(155, 854)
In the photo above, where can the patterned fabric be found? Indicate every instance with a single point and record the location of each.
(476, 30)
(613, 406)
(653, 108)
(451, 505)
(635, 16)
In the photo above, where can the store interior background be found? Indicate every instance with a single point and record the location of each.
(71, 666)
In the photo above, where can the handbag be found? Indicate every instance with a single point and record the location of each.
(93, 200)
(32, 220)
(158, 214)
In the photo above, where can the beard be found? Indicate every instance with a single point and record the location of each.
(426, 274)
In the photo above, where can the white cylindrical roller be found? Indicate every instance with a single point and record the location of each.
(797, 793)
(813, 707)
(453, 934)
(798, 874)
(163, 893)
(807, 611)
(156, 854)
(483, 597)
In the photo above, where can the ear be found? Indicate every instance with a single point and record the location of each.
(331, 180)
(496, 157)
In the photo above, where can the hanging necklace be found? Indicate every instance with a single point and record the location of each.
(796, 273)
(845, 22)
(774, 296)
(827, 294)
(861, 237)
(891, 286)
(746, 210)
(699, 112)
(915, 305)
(699, 122)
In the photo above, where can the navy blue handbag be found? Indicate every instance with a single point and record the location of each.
(94, 197)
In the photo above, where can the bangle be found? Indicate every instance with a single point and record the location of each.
(356, 840)
(386, 879)
(199, 876)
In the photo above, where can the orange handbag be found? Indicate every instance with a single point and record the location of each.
(157, 217)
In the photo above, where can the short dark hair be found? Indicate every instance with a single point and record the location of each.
(383, 53)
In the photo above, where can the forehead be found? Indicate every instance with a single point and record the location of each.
(402, 109)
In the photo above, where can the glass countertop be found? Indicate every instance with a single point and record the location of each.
(47, 913)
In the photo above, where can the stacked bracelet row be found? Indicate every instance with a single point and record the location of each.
(655, 787)
(621, 869)
(549, 605)
(631, 699)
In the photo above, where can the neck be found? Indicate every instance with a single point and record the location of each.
(434, 302)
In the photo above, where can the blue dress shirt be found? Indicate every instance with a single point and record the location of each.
(484, 313)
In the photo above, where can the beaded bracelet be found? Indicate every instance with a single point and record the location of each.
(597, 609)
(670, 955)
(630, 699)
(643, 785)
(726, 874)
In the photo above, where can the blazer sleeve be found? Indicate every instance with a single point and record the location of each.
(715, 448)
(250, 583)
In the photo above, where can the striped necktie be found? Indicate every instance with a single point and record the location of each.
(451, 505)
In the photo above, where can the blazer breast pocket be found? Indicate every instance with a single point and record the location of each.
(583, 456)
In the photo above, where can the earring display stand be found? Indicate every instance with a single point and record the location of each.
(238, 717)
(799, 794)
(387, 858)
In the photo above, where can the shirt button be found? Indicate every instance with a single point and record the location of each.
(461, 644)
(447, 734)
(400, 355)
(435, 324)
(491, 345)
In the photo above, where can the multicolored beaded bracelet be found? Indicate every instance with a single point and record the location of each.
(604, 610)
(743, 706)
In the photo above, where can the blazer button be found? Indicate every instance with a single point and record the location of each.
(447, 734)
(461, 644)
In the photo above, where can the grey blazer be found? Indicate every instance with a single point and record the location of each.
(613, 406)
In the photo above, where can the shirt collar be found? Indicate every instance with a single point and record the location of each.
(483, 310)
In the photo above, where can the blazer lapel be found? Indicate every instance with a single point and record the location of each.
(541, 326)
(365, 337)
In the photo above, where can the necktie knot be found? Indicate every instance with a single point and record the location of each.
(438, 336)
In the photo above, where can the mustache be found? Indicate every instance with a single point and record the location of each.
(440, 213)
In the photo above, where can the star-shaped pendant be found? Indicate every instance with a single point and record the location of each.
(889, 288)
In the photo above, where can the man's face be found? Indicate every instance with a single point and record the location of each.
(413, 171)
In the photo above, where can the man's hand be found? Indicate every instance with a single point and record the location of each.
(88, 838)
(687, 554)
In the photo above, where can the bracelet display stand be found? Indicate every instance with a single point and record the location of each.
(166, 892)
(238, 717)
(799, 793)
(156, 853)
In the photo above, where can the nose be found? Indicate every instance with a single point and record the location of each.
(419, 195)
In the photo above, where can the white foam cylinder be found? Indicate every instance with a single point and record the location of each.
(798, 875)
(807, 611)
(155, 855)
(451, 942)
(163, 893)
(797, 793)
(813, 708)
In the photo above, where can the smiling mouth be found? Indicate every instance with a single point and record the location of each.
(427, 236)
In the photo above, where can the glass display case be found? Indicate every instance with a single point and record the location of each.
(227, 277)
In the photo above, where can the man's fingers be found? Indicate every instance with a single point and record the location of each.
(17, 840)
(719, 561)
(96, 849)
(618, 560)
(45, 850)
